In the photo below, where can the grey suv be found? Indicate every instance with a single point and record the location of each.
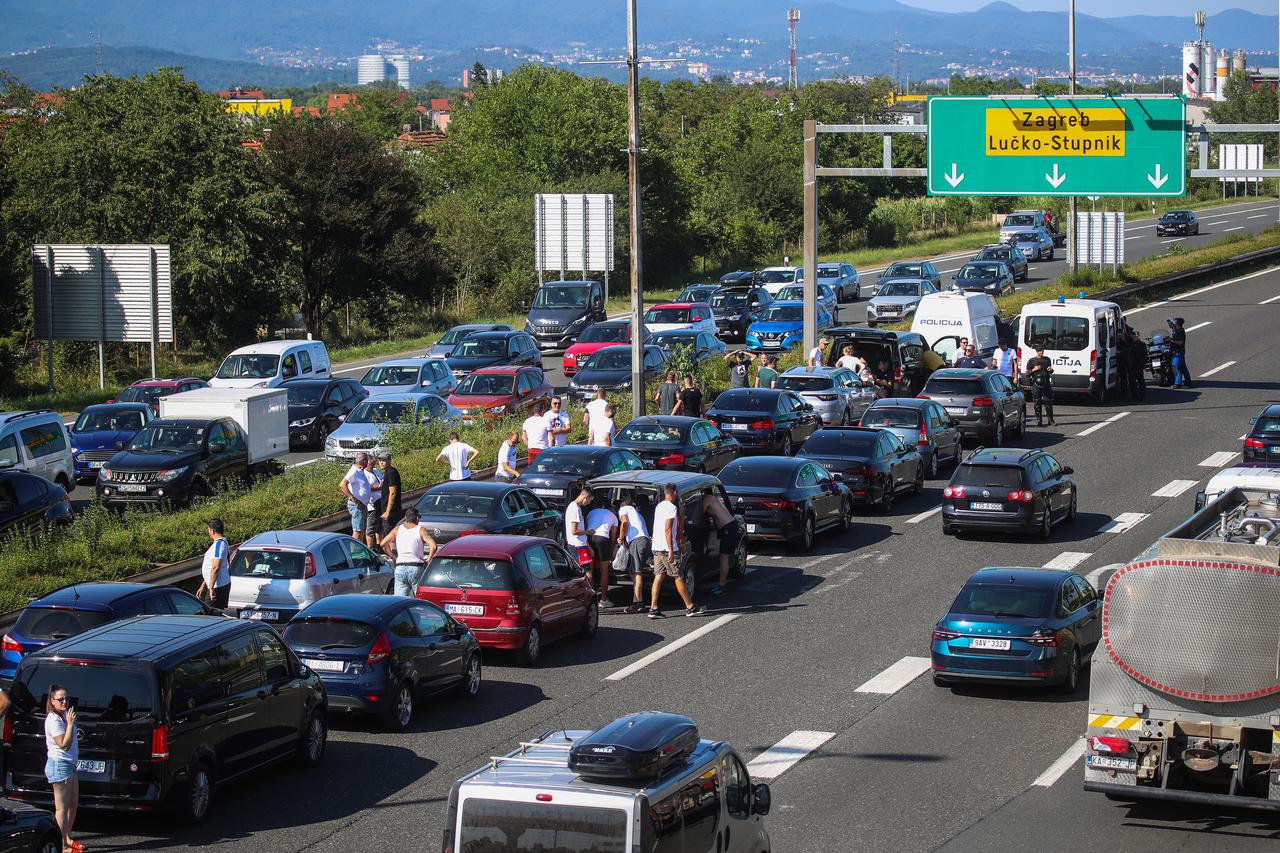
(983, 402)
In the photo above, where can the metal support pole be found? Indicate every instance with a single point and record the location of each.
(1277, 99)
(809, 249)
(48, 301)
(633, 188)
(102, 318)
(1072, 263)
(155, 311)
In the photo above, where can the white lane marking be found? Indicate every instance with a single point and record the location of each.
(1096, 575)
(1123, 522)
(928, 513)
(1237, 228)
(352, 369)
(306, 462)
(671, 647)
(1175, 240)
(1256, 216)
(1219, 459)
(1201, 290)
(1134, 237)
(1200, 325)
(897, 676)
(1065, 762)
(1217, 369)
(1173, 489)
(1068, 560)
(1091, 430)
(1269, 301)
(815, 561)
(786, 753)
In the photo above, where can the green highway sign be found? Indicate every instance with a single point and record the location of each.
(1070, 145)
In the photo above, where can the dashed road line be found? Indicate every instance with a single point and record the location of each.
(1065, 762)
(786, 753)
(1175, 240)
(1237, 228)
(928, 513)
(1256, 216)
(1219, 459)
(1123, 522)
(1068, 560)
(1173, 489)
(671, 647)
(1269, 301)
(897, 676)
(1096, 575)
(1091, 430)
(306, 462)
(1200, 325)
(1218, 369)
(1197, 292)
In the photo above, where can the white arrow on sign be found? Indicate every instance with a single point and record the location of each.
(1056, 180)
(953, 178)
(1158, 180)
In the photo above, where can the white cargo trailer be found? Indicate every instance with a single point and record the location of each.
(261, 413)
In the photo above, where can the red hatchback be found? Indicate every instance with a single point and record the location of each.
(596, 337)
(513, 592)
(494, 392)
(150, 391)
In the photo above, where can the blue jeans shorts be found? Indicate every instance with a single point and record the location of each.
(407, 577)
(59, 770)
(359, 515)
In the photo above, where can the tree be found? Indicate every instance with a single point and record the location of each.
(1245, 104)
(479, 76)
(381, 111)
(350, 211)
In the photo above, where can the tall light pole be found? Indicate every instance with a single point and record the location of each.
(633, 188)
(1072, 263)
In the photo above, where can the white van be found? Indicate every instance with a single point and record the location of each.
(37, 441)
(1253, 479)
(1079, 337)
(270, 363)
(944, 318)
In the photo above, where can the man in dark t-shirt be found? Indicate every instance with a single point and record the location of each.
(1040, 373)
(738, 363)
(389, 511)
(689, 402)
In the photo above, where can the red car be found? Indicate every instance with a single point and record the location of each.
(150, 391)
(513, 592)
(595, 337)
(495, 392)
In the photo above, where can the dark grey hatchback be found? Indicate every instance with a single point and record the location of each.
(983, 402)
(1023, 491)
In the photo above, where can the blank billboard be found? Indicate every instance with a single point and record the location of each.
(102, 293)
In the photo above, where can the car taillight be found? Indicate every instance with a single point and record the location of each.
(826, 397)
(923, 397)
(1108, 744)
(944, 634)
(160, 743)
(8, 731)
(715, 422)
(1025, 496)
(924, 436)
(984, 402)
(778, 504)
(310, 570)
(11, 645)
(953, 492)
(1049, 641)
(762, 425)
(672, 459)
(513, 606)
(381, 649)
(1248, 442)
(859, 471)
(1093, 363)
(462, 533)
(1019, 354)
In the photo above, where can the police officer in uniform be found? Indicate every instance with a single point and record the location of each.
(1040, 373)
(1136, 355)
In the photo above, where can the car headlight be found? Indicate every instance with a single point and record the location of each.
(75, 451)
(105, 473)
(496, 410)
(302, 422)
(172, 474)
(259, 385)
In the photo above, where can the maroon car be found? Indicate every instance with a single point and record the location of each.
(513, 592)
(150, 391)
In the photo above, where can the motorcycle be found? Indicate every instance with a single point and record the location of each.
(1160, 358)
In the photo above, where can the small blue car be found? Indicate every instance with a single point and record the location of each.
(782, 327)
(1018, 625)
(380, 654)
(100, 432)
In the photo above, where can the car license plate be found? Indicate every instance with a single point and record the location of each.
(736, 427)
(751, 528)
(325, 665)
(1155, 362)
(956, 410)
(989, 643)
(465, 609)
(132, 487)
(96, 464)
(269, 615)
(1112, 762)
(986, 505)
(84, 765)
(550, 493)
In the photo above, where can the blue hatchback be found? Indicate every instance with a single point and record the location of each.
(781, 327)
(100, 432)
(380, 654)
(76, 608)
(1018, 625)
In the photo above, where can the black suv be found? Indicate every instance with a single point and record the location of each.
(173, 460)
(998, 488)
(561, 310)
(737, 307)
(1181, 222)
(493, 349)
(903, 351)
(168, 708)
(318, 406)
(30, 503)
(983, 402)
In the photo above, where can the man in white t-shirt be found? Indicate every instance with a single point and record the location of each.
(374, 476)
(602, 428)
(817, 355)
(602, 526)
(215, 573)
(355, 485)
(459, 455)
(507, 453)
(575, 527)
(559, 424)
(634, 551)
(537, 431)
(666, 553)
(595, 409)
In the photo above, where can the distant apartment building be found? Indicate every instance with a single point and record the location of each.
(375, 67)
(701, 70)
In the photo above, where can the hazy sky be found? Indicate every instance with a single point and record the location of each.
(1110, 8)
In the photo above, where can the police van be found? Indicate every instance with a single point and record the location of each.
(645, 781)
(944, 318)
(1079, 336)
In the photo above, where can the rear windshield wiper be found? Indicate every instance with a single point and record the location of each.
(337, 646)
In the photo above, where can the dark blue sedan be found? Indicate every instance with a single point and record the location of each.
(1262, 442)
(1018, 625)
(380, 654)
(101, 432)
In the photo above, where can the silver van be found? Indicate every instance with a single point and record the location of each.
(37, 441)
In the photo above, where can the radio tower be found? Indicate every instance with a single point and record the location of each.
(897, 63)
(793, 15)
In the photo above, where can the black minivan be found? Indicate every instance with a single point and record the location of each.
(169, 707)
(561, 310)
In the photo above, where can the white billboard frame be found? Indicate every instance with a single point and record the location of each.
(573, 232)
(1239, 156)
(1098, 238)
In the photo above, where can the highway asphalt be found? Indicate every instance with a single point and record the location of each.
(818, 657)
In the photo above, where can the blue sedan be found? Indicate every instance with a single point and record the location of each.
(1018, 625)
(100, 432)
(380, 654)
(782, 327)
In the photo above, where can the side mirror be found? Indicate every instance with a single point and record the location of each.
(761, 799)
(1067, 469)
(524, 306)
(953, 276)
(119, 445)
(341, 418)
(1201, 500)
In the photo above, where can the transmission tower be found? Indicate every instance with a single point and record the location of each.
(793, 81)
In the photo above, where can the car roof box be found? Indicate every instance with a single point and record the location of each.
(637, 746)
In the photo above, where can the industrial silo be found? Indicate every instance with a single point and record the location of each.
(1223, 72)
(1191, 65)
(1238, 62)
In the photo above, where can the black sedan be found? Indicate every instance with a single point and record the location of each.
(462, 507)
(873, 463)
(318, 406)
(610, 368)
(736, 308)
(27, 829)
(677, 443)
(786, 499)
(1011, 255)
(993, 277)
(558, 473)
(765, 420)
(1178, 222)
(29, 503)
(701, 346)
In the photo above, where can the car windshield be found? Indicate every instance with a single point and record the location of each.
(667, 315)
(801, 382)
(470, 573)
(791, 292)
(903, 269)
(106, 694)
(1066, 334)
(481, 348)
(269, 563)
(1175, 216)
(305, 395)
(1019, 220)
(378, 412)
(249, 366)
(455, 504)
(1027, 237)
(650, 433)
(105, 420)
(730, 299)
(143, 394)
(560, 296)
(947, 386)
(900, 288)
(784, 314)
(828, 272)
(379, 377)
(1267, 424)
(989, 476)
(454, 335)
(746, 401)
(328, 633)
(980, 271)
(994, 254)
(486, 384)
(756, 474)
(167, 438)
(567, 464)
(508, 826)
(778, 276)
(1012, 600)
(609, 359)
(606, 333)
(671, 340)
(697, 294)
(889, 416)
(49, 624)
(838, 442)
